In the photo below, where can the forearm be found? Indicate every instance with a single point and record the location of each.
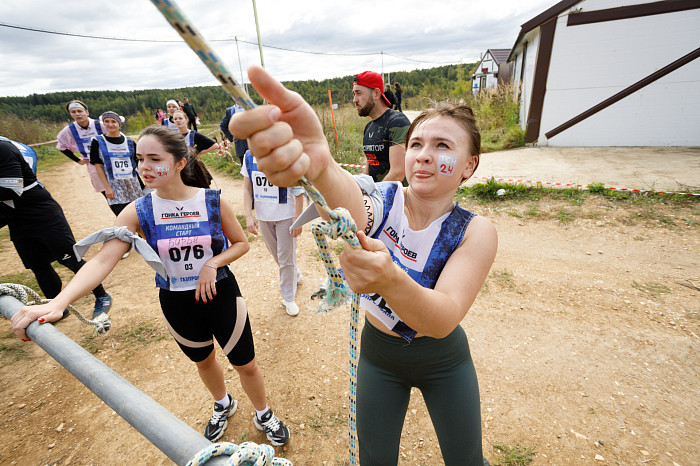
(92, 273)
(339, 189)
(427, 311)
(99, 169)
(235, 251)
(247, 199)
(69, 153)
(211, 148)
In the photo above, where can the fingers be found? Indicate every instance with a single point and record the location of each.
(244, 125)
(370, 244)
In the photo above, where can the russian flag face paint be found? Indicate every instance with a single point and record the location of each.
(446, 164)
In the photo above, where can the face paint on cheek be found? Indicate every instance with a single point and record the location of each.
(446, 164)
(162, 171)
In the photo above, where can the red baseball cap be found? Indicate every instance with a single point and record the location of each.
(373, 81)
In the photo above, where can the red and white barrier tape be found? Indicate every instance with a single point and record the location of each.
(571, 185)
(42, 143)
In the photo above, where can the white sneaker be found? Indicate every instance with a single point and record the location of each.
(126, 254)
(292, 308)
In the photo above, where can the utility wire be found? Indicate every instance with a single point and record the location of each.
(126, 39)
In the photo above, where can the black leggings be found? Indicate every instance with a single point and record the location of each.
(50, 282)
(443, 371)
(194, 323)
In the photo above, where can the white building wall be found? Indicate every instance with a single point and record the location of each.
(592, 62)
(533, 43)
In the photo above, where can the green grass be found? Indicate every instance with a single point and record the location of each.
(517, 455)
(503, 277)
(25, 278)
(653, 289)
(91, 343)
(13, 350)
(325, 422)
(524, 201)
(142, 334)
(227, 164)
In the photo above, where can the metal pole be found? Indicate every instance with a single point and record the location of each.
(240, 67)
(257, 29)
(162, 428)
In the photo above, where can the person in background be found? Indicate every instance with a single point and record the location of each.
(397, 92)
(38, 228)
(195, 235)
(422, 261)
(159, 115)
(197, 141)
(77, 137)
(275, 211)
(171, 106)
(241, 145)
(191, 114)
(390, 96)
(114, 157)
(385, 134)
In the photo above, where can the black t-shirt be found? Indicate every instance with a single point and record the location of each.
(201, 142)
(380, 135)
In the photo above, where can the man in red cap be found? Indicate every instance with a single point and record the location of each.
(385, 135)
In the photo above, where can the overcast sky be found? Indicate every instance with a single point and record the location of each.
(411, 33)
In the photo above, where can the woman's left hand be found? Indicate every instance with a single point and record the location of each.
(206, 284)
(370, 269)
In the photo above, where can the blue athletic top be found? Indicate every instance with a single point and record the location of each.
(185, 234)
(421, 254)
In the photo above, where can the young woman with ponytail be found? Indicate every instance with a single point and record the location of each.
(195, 235)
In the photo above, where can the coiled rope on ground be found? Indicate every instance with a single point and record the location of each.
(247, 453)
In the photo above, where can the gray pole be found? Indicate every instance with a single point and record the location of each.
(172, 436)
(257, 29)
(240, 67)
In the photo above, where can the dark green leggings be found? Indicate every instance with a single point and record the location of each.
(443, 371)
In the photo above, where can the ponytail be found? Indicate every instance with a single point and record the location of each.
(195, 173)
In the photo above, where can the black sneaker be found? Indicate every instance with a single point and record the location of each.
(277, 432)
(219, 420)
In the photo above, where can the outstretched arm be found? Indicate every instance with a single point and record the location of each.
(288, 142)
(88, 277)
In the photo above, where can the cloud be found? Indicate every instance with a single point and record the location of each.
(409, 33)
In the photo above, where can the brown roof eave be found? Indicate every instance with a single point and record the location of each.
(540, 19)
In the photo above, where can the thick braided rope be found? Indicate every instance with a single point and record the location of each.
(247, 453)
(199, 45)
(341, 225)
(22, 293)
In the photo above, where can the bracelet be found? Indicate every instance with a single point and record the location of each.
(215, 268)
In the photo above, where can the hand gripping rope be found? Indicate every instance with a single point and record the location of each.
(341, 223)
(247, 453)
(21, 293)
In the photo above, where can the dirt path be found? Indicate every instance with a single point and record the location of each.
(585, 343)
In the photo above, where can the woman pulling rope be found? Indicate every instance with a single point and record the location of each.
(422, 263)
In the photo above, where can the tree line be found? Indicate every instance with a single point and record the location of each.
(211, 102)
